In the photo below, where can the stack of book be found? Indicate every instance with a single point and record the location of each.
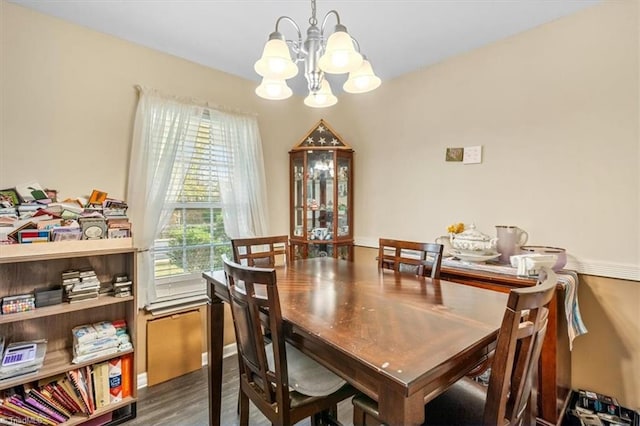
(80, 285)
(79, 391)
(115, 212)
(122, 286)
(9, 212)
(28, 210)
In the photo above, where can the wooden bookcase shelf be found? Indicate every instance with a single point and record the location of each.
(63, 308)
(55, 363)
(27, 267)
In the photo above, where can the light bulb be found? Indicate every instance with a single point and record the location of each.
(340, 59)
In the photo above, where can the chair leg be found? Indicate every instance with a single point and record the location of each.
(359, 416)
(243, 407)
(316, 419)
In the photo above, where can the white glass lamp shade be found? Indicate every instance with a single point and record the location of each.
(362, 80)
(276, 62)
(322, 98)
(340, 55)
(274, 90)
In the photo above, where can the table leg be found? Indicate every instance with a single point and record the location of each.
(215, 347)
(396, 409)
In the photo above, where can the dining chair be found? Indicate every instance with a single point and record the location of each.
(285, 384)
(410, 256)
(509, 399)
(264, 252)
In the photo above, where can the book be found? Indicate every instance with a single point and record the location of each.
(79, 386)
(127, 371)
(88, 378)
(51, 400)
(64, 389)
(97, 197)
(44, 408)
(115, 379)
(15, 405)
(101, 384)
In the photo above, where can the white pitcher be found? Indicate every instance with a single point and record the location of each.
(510, 238)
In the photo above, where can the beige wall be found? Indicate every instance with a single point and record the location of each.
(555, 108)
(556, 111)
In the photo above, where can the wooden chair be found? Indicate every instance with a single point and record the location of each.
(286, 385)
(409, 256)
(264, 252)
(510, 397)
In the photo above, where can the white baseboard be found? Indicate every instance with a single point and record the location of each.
(142, 380)
(228, 350)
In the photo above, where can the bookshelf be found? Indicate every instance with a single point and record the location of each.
(27, 267)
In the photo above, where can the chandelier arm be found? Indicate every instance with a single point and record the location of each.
(292, 22)
(356, 44)
(326, 17)
(295, 45)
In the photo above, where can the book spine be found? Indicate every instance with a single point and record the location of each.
(115, 379)
(66, 387)
(101, 383)
(44, 409)
(88, 379)
(19, 406)
(80, 389)
(51, 402)
(54, 398)
(127, 378)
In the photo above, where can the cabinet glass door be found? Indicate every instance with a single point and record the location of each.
(297, 192)
(344, 195)
(320, 195)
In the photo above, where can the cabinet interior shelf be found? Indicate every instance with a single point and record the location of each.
(56, 362)
(63, 308)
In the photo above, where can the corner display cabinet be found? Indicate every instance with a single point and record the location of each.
(321, 192)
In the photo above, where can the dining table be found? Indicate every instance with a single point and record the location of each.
(401, 339)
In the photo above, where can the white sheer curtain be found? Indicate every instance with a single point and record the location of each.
(159, 133)
(243, 191)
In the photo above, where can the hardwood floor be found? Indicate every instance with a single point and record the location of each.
(183, 401)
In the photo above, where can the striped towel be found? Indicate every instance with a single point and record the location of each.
(568, 279)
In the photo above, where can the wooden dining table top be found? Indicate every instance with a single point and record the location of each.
(396, 337)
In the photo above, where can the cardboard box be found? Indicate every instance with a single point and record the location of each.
(174, 346)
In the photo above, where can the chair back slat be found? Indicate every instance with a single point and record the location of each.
(515, 363)
(263, 252)
(418, 258)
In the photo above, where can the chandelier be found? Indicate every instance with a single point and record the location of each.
(338, 55)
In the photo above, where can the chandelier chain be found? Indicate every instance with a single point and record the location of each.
(313, 21)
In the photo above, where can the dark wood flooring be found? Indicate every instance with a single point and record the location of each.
(183, 401)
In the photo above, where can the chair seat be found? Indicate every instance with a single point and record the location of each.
(462, 404)
(306, 376)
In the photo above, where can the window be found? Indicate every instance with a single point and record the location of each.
(196, 178)
(193, 240)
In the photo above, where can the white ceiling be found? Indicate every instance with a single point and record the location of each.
(398, 36)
